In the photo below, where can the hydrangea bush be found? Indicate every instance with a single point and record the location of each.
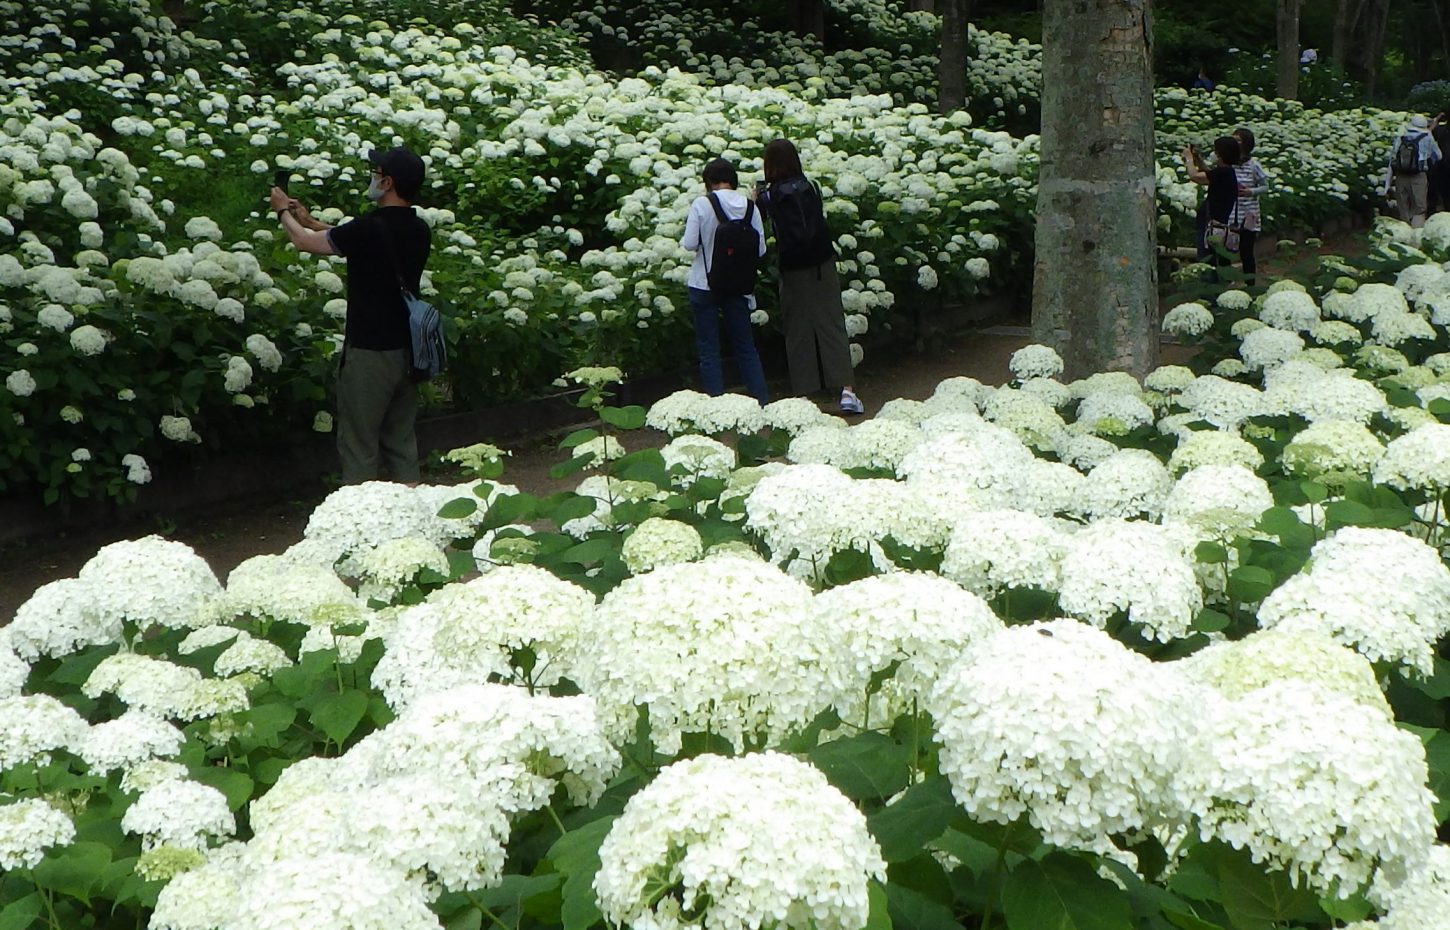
(985, 653)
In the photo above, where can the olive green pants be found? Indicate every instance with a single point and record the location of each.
(377, 403)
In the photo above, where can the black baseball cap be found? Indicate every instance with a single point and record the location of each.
(404, 167)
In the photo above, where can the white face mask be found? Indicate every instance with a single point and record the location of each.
(375, 192)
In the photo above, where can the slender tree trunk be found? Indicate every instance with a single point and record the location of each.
(952, 70)
(1095, 284)
(1346, 15)
(1371, 42)
(1287, 21)
(810, 18)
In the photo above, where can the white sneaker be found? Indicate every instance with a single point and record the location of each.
(850, 403)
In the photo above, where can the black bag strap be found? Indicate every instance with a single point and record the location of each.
(724, 217)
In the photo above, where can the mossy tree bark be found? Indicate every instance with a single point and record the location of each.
(1095, 284)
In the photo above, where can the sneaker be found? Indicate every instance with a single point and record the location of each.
(850, 403)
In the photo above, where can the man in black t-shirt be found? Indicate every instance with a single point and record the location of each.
(377, 401)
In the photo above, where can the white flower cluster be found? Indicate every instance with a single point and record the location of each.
(1378, 591)
(1142, 569)
(761, 840)
(473, 632)
(1312, 781)
(1035, 361)
(27, 829)
(693, 412)
(1062, 723)
(919, 623)
(657, 542)
(729, 651)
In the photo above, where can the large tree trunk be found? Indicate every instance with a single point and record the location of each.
(952, 71)
(810, 18)
(1287, 22)
(1095, 284)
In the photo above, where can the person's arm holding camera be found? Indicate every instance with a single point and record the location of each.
(311, 238)
(1197, 172)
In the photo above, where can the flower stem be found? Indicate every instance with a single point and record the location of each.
(563, 831)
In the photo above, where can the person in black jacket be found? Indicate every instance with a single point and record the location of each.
(377, 401)
(816, 346)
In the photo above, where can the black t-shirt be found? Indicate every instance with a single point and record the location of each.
(1223, 194)
(376, 316)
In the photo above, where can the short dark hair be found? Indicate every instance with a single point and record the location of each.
(1226, 148)
(1246, 141)
(782, 161)
(720, 171)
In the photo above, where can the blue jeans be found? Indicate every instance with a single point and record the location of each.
(710, 310)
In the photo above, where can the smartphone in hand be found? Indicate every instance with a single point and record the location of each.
(280, 177)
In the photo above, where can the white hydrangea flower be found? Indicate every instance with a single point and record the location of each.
(694, 412)
(359, 517)
(1169, 379)
(88, 340)
(35, 724)
(389, 565)
(28, 828)
(1421, 900)
(690, 458)
(151, 581)
(1264, 348)
(1188, 319)
(163, 688)
(1292, 311)
(1235, 299)
(1035, 361)
(55, 317)
(1221, 403)
(20, 382)
(1393, 329)
(249, 654)
(60, 618)
(713, 827)
(1126, 484)
(1238, 668)
(1086, 452)
(1333, 450)
(137, 471)
(203, 227)
(178, 429)
(995, 549)
(1011, 719)
(658, 541)
(1142, 569)
(1284, 772)
(732, 647)
(278, 588)
(1113, 414)
(1334, 333)
(134, 737)
(1420, 459)
(919, 622)
(1219, 501)
(1378, 591)
(179, 813)
(1213, 447)
(264, 351)
(797, 414)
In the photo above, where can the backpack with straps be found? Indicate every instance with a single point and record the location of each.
(425, 324)
(1407, 154)
(799, 223)
(735, 258)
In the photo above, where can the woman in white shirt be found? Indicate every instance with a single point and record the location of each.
(711, 309)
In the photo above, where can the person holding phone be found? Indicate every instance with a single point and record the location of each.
(1222, 224)
(377, 400)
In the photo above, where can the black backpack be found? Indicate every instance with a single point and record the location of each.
(735, 259)
(799, 223)
(1407, 154)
